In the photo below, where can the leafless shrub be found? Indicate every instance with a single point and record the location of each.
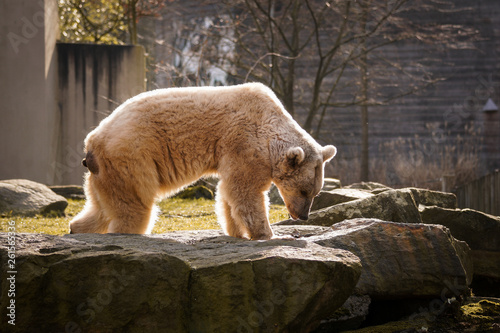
(427, 163)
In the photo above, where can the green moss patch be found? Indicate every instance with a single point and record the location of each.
(484, 311)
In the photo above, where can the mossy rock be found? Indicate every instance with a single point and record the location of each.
(484, 311)
(196, 192)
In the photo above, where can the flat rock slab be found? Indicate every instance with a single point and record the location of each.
(390, 205)
(400, 260)
(424, 197)
(337, 196)
(331, 183)
(69, 191)
(180, 282)
(28, 198)
(373, 187)
(421, 197)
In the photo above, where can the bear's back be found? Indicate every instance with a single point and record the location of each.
(196, 113)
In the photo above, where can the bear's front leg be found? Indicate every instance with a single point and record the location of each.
(243, 211)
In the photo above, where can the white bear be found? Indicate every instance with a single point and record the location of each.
(158, 142)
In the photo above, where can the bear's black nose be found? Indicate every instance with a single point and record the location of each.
(304, 217)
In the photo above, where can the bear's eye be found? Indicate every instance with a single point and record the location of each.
(303, 193)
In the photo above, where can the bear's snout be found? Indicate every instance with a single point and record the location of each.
(304, 217)
(299, 216)
(299, 208)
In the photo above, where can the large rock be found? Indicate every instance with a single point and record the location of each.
(196, 192)
(28, 198)
(400, 260)
(337, 196)
(331, 184)
(390, 205)
(180, 282)
(481, 231)
(424, 197)
(373, 187)
(69, 191)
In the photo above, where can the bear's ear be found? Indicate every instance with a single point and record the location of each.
(295, 156)
(328, 152)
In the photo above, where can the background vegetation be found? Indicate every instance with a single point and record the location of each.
(318, 57)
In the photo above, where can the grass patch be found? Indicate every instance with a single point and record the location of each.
(176, 214)
(52, 225)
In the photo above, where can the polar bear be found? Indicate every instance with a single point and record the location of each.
(158, 142)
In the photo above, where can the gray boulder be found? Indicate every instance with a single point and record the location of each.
(331, 184)
(69, 191)
(373, 187)
(424, 197)
(401, 260)
(480, 230)
(179, 282)
(28, 198)
(196, 192)
(337, 196)
(390, 205)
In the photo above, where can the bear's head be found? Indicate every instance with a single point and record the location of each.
(298, 175)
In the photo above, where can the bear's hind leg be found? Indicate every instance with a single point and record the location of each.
(132, 217)
(128, 189)
(89, 220)
(92, 218)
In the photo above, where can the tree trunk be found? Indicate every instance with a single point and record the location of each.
(132, 23)
(365, 156)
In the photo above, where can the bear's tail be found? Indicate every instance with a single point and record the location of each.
(90, 163)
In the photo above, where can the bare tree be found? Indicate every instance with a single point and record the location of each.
(319, 56)
(284, 43)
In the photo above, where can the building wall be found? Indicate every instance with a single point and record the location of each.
(52, 95)
(28, 32)
(92, 81)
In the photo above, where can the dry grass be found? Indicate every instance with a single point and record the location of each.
(427, 162)
(52, 225)
(176, 214)
(419, 161)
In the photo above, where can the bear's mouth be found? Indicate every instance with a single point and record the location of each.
(299, 208)
(302, 215)
(298, 216)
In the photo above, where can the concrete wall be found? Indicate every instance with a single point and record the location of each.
(93, 81)
(52, 95)
(28, 32)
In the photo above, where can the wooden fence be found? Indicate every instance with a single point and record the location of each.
(482, 194)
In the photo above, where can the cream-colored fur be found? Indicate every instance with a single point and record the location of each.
(160, 141)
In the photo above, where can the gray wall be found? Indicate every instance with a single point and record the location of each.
(52, 95)
(28, 32)
(93, 81)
